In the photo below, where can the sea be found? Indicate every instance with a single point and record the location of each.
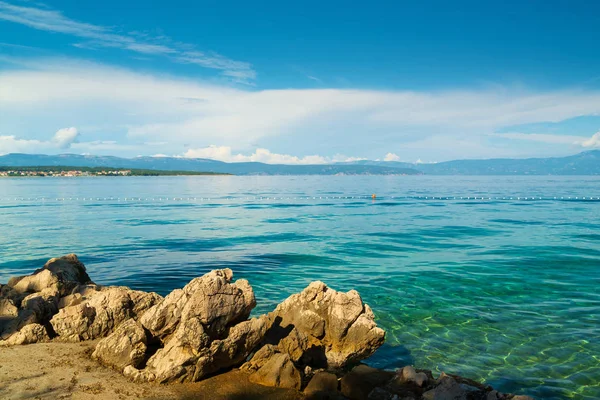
(496, 278)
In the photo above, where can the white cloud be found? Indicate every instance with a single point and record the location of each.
(593, 142)
(62, 139)
(65, 137)
(391, 157)
(224, 153)
(100, 36)
(11, 144)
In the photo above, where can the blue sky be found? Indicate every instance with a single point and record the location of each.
(304, 82)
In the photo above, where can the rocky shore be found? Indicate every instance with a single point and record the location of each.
(311, 346)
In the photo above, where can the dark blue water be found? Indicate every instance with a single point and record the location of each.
(494, 278)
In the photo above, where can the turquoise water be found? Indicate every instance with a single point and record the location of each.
(501, 290)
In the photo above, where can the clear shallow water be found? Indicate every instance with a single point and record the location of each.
(501, 290)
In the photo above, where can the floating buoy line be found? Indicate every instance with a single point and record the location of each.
(374, 199)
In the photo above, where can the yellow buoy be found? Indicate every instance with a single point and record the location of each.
(373, 196)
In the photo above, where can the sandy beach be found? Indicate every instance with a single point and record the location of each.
(65, 371)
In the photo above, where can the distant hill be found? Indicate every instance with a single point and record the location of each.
(586, 163)
(197, 164)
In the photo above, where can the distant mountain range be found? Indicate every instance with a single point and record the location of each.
(586, 163)
(199, 164)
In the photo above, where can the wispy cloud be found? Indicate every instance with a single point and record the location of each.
(542, 137)
(100, 36)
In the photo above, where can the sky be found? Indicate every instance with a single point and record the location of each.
(300, 82)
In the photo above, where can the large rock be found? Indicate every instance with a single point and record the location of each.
(125, 346)
(203, 328)
(211, 299)
(323, 328)
(99, 314)
(36, 297)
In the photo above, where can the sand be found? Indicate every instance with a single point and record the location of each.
(66, 371)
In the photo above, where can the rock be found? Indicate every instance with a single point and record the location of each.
(494, 395)
(337, 325)
(522, 397)
(37, 282)
(37, 296)
(323, 385)
(36, 308)
(100, 313)
(138, 376)
(447, 389)
(8, 308)
(382, 394)
(234, 349)
(32, 333)
(358, 383)
(68, 269)
(203, 328)
(278, 371)
(409, 375)
(212, 299)
(124, 347)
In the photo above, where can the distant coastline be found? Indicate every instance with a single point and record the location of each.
(585, 163)
(74, 172)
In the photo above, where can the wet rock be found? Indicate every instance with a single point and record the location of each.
(32, 333)
(338, 325)
(382, 394)
(408, 374)
(521, 397)
(103, 311)
(323, 385)
(125, 346)
(494, 395)
(358, 383)
(447, 389)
